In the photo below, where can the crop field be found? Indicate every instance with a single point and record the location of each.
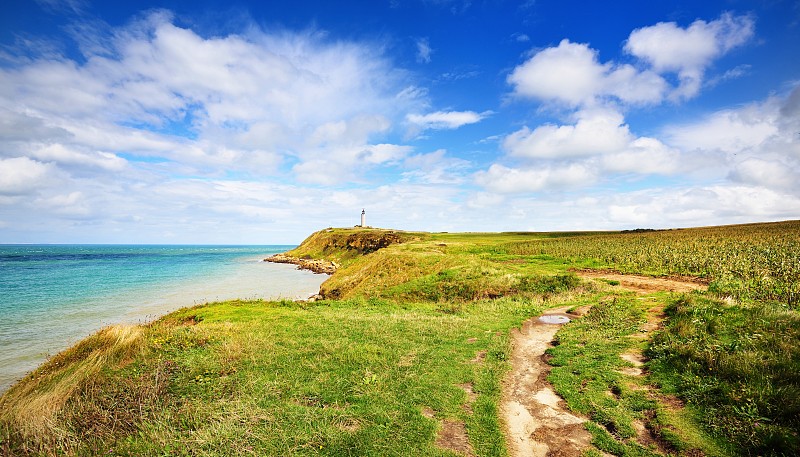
(756, 261)
(407, 351)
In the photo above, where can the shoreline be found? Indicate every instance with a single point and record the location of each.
(319, 266)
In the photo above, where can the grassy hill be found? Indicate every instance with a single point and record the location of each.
(412, 337)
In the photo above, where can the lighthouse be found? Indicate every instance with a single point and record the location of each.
(363, 218)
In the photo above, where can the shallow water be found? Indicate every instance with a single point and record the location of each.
(52, 296)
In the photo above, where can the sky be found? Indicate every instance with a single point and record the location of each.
(236, 122)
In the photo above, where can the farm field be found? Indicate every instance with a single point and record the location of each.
(409, 349)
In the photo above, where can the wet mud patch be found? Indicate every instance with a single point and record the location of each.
(537, 422)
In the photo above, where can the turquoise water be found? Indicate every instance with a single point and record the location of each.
(51, 296)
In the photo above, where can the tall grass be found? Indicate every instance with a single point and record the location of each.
(741, 364)
(29, 411)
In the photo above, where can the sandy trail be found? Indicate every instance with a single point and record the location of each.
(645, 284)
(537, 421)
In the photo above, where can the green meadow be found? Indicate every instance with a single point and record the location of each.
(412, 336)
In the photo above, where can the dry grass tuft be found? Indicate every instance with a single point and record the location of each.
(29, 409)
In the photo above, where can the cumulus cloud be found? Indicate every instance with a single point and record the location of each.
(595, 132)
(502, 179)
(596, 144)
(158, 126)
(435, 168)
(689, 51)
(756, 143)
(571, 73)
(596, 149)
(645, 156)
(766, 173)
(21, 175)
(730, 131)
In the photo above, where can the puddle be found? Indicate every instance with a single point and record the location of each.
(554, 319)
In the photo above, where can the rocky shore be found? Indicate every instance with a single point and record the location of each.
(315, 265)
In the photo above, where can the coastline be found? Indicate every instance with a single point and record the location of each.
(247, 278)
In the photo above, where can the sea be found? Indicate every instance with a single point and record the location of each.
(52, 296)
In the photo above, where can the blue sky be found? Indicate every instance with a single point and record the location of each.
(237, 123)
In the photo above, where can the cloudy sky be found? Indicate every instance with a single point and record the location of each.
(231, 122)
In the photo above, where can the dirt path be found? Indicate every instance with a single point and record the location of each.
(537, 421)
(645, 284)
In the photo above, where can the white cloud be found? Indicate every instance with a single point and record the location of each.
(755, 144)
(21, 175)
(596, 149)
(502, 179)
(424, 50)
(644, 156)
(689, 51)
(64, 155)
(440, 120)
(481, 200)
(242, 103)
(731, 131)
(766, 173)
(571, 73)
(520, 37)
(595, 132)
(599, 140)
(435, 168)
(71, 205)
(704, 205)
(332, 166)
(734, 73)
(568, 72)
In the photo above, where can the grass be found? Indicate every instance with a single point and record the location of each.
(332, 378)
(409, 320)
(33, 404)
(739, 362)
(589, 374)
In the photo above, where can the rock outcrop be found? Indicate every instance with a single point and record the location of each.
(367, 242)
(315, 265)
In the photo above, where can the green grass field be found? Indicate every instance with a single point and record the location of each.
(413, 335)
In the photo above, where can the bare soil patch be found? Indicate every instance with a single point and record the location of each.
(453, 436)
(537, 423)
(646, 284)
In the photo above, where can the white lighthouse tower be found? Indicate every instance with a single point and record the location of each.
(363, 218)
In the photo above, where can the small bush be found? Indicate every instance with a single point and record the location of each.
(547, 284)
